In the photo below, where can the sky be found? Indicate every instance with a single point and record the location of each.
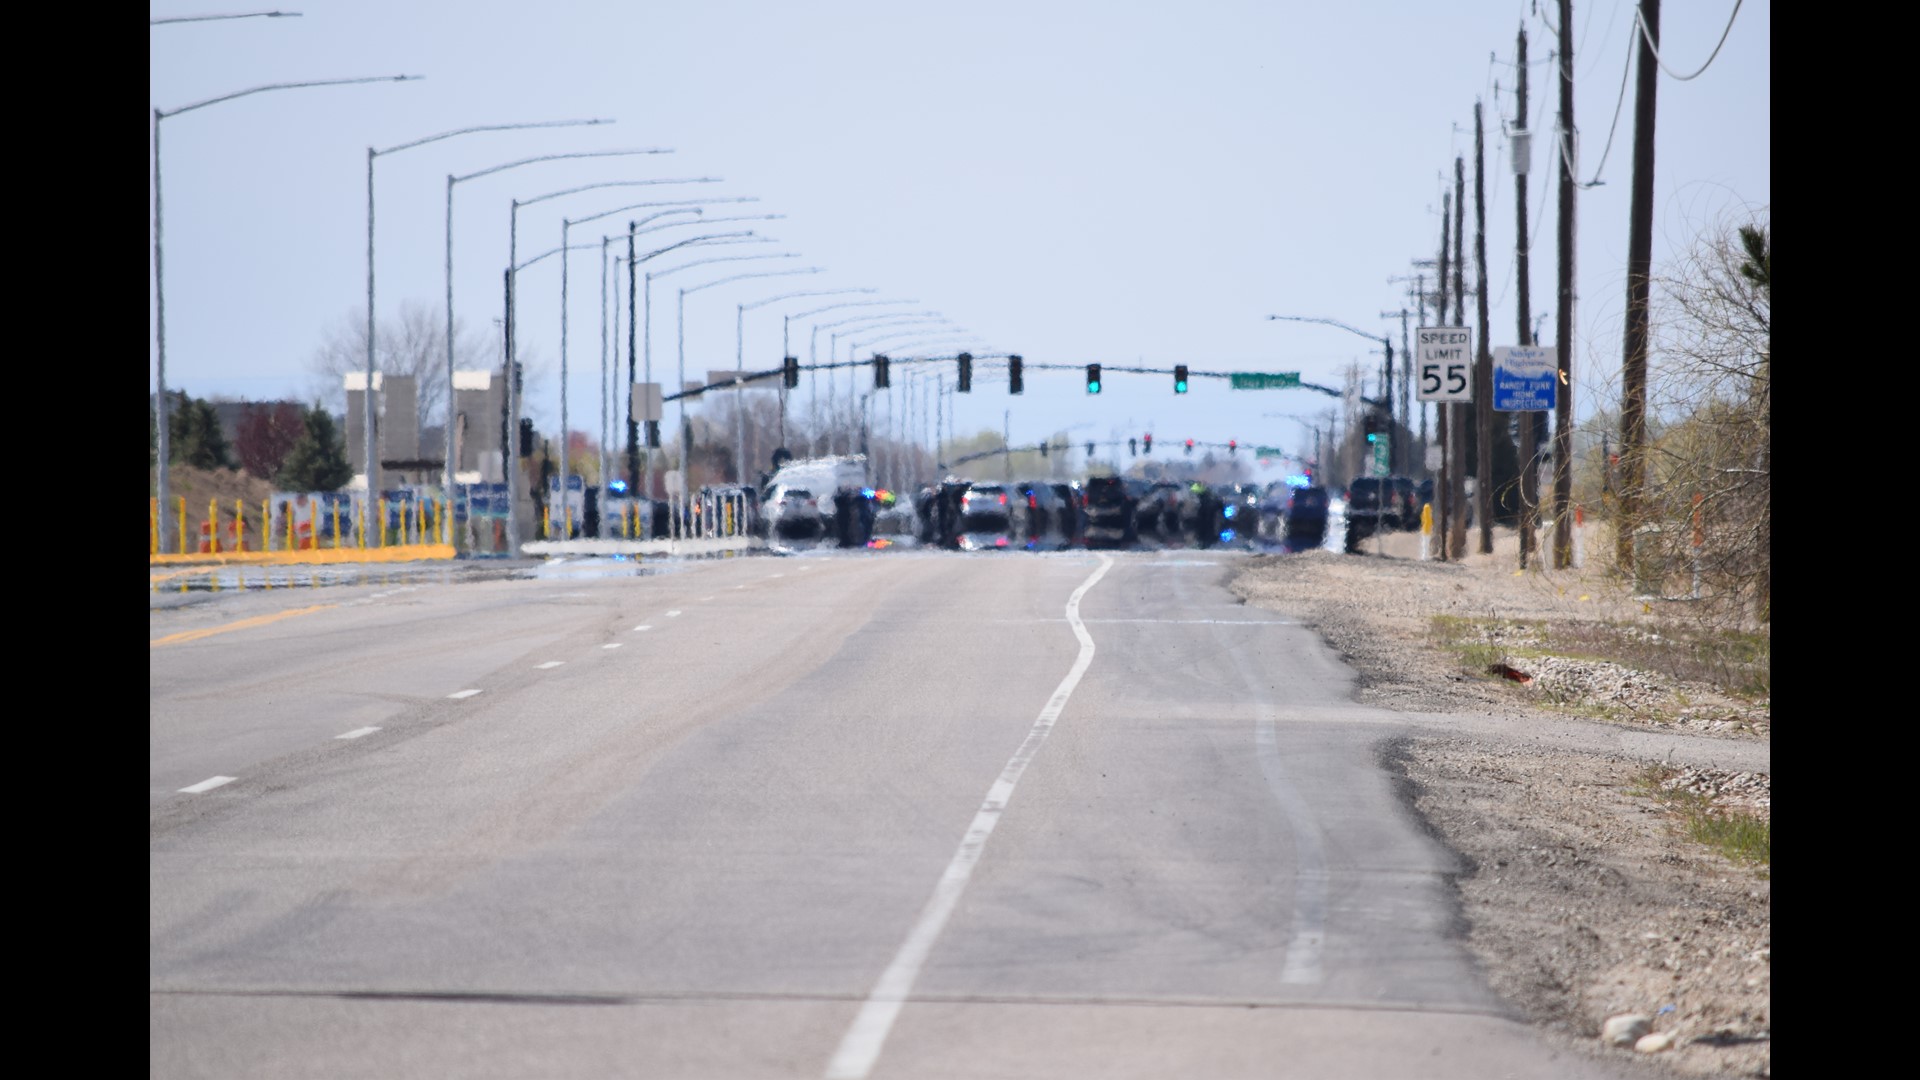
(1133, 184)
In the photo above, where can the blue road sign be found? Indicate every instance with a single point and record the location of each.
(1525, 378)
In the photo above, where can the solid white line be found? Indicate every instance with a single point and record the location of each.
(208, 785)
(458, 694)
(548, 664)
(860, 1046)
(357, 732)
(672, 614)
(611, 645)
(643, 626)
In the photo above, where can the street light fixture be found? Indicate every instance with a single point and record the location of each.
(813, 346)
(210, 18)
(372, 452)
(159, 278)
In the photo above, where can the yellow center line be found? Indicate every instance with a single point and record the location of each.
(243, 624)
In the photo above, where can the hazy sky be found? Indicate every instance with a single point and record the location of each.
(1127, 183)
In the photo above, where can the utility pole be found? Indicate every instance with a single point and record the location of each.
(1633, 374)
(1563, 315)
(1457, 528)
(1531, 423)
(1443, 484)
(1483, 356)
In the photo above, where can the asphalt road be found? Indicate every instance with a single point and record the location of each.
(904, 814)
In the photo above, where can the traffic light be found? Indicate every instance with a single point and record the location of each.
(653, 434)
(1043, 449)
(1179, 378)
(1093, 378)
(789, 374)
(1147, 442)
(1370, 423)
(1016, 381)
(966, 373)
(1189, 446)
(526, 437)
(1133, 447)
(880, 372)
(1089, 451)
(1233, 446)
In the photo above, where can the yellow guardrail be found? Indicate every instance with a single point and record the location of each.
(310, 535)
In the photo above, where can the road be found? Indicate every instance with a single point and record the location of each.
(905, 814)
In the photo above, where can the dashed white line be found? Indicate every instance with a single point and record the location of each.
(643, 626)
(611, 645)
(548, 664)
(703, 599)
(776, 575)
(671, 614)
(357, 732)
(207, 785)
(860, 1047)
(458, 694)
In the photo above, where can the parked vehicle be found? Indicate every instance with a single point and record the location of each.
(793, 513)
(1073, 502)
(987, 518)
(1043, 518)
(1110, 509)
(1304, 521)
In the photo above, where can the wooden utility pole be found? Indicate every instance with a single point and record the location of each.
(1458, 416)
(1483, 356)
(1443, 484)
(1563, 316)
(1530, 422)
(1633, 371)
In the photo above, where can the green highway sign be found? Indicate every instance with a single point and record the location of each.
(1265, 380)
(1267, 451)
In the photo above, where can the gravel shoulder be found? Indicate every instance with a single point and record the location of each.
(1583, 897)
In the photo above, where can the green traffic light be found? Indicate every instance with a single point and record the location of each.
(1093, 388)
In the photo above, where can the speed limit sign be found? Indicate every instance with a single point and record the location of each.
(1446, 363)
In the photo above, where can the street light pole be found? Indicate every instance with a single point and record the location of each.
(506, 459)
(513, 387)
(739, 361)
(1386, 372)
(163, 447)
(372, 453)
(680, 321)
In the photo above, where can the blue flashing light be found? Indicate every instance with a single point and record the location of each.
(866, 493)
(618, 487)
(1226, 536)
(1230, 511)
(1297, 480)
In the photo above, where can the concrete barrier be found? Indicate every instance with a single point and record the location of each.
(689, 546)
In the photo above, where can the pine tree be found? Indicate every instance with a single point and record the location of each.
(318, 462)
(194, 434)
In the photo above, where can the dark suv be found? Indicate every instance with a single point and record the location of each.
(1110, 509)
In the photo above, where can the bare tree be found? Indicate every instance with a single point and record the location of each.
(1708, 491)
(413, 343)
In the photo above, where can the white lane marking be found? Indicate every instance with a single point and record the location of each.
(736, 586)
(611, 645)
(860, 1046)
(357, 732)
(643, 626)
(703, 599)
(672, 614)
(207, 785)
(458, 694)
(769, 575)
(548, 664)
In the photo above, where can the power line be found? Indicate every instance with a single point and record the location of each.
(1655, 48)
